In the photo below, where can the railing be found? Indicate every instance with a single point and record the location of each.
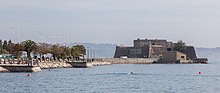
(22, 61)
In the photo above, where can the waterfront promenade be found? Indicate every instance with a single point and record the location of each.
(37, 65)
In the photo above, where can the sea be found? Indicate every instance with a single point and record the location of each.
(118, 78)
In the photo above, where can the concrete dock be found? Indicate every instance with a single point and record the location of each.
(19, 68)
(81, 64)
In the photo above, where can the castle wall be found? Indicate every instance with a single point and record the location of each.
(173, 56)
(158, 42)
(122, 51)
(144, 48)
(140, 43)
(146, 42)
(190, 52)
(131, 52)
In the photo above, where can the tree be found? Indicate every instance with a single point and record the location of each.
(5, 45)
(77, 50)
(43, 48)
(9, 46)
(3, 51)
(15, 49)
(56, 50)
(1, 46)
(180, 46)
(29, 46)
(66, 52)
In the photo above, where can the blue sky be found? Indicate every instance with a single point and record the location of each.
(111, 21)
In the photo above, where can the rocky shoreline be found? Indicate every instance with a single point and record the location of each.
(51, 65)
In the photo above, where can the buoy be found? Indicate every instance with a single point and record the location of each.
(28, 75)
(200, 72)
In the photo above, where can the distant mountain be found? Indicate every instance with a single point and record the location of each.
(101, 50)
(211, 53)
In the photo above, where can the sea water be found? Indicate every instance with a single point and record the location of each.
(120, 78)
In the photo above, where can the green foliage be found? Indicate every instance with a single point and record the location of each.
(1, 46)
(29, 46)
(77, 50)
(15, 49)
(3, 51)
(66, 52)
(180, 46)
(5, 45)
(43, 48)
(56, 50)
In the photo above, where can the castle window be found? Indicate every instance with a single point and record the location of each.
(182, 56)
(169, 49)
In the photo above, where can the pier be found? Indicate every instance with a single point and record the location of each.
(19, 68)
(81, 64)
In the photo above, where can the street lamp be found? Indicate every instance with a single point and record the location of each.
(87, 54)
(93, 53)
(18, 28)
(18, 32)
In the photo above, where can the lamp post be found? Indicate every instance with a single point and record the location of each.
(91, 57)
(18, 32)
(87, 54)
(65, 40)
(18, 29)
(93, 54)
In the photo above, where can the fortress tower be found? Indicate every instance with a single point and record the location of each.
(149, 48)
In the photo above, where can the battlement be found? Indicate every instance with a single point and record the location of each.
(146, 42)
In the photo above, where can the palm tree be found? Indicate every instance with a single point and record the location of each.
(29, 46)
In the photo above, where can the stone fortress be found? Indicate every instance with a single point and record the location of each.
(161, 49)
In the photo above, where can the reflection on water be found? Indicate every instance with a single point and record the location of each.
(139, 78)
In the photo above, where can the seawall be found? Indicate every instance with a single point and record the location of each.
(50, 65)
(56, 64)
(127, 60)
(19, 68)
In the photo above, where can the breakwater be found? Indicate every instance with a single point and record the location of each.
(48, 65)
(54, 64)
(19, 68)
(126, 60)
(63, 64)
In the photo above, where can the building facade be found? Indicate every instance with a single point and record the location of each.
(151, 48)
